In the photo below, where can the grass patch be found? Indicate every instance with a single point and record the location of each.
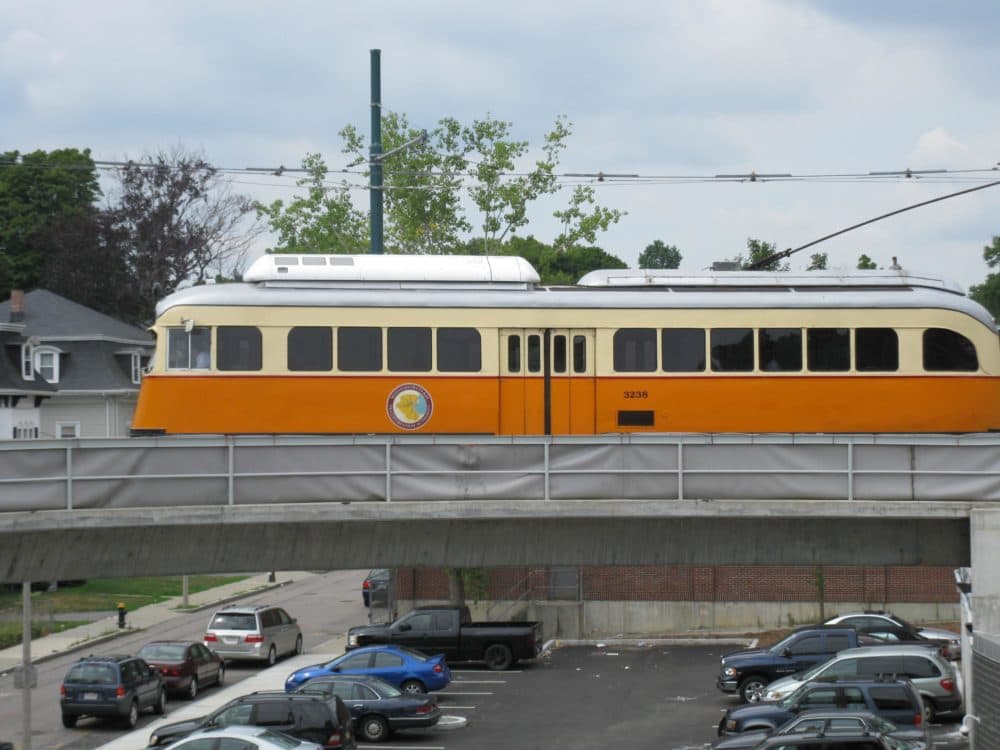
(10, 632)
(104, 594)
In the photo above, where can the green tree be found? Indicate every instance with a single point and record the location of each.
(866, 264)
(817, 262)
(659, 255)
(758, 250)
(322, 221)
(36, 191)
(987, 294)
(583, 219)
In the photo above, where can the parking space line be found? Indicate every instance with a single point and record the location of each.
(479, 671)
(462, 693)
(479, 682)
(380, 746)
(458, 708)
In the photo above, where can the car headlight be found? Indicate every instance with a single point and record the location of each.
(731, 725)
(728, 672)
(352, 640)
(153, 739)
(775, 695)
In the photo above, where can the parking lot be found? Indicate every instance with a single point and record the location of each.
(638, 697)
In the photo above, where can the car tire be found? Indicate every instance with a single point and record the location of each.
(498, 657)
(298, 645)
(132, 717)
(160, 707)
(192, 691)
(69, 720)
(220, 678)
(752, 689)
(413, 687)
(272, 656)
(930, 710)
(374, 728)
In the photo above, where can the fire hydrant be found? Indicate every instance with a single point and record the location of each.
(121, 614)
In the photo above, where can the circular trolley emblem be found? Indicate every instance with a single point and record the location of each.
(409, 406)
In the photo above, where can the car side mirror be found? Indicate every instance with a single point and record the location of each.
(786, 652)
(404, 627)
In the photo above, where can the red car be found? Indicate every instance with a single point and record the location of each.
(186, 666)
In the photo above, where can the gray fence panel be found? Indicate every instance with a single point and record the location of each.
(468, 471)
(308, 473)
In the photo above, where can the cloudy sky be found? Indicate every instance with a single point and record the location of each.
(680, 88)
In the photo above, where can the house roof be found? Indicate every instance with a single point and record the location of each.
(49, 316)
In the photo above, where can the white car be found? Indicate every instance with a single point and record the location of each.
(259, 738)
(898, 629)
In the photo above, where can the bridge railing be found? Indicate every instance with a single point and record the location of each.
(246, 470)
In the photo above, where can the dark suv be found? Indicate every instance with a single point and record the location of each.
(307, 717)
(895, 700)
(116, 686)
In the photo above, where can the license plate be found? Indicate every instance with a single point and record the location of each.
(230, 641)
(90, 696)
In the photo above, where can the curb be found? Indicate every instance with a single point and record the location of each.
(555, 643)
(82, 645)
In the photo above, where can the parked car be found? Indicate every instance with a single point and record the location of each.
(409, 670)
(932, 676)
(835, 722)
(306, 717)
(258, 738)
(820, 741)
(111, 686)
(378, 708)
(258, 633)
(892, 627)
(375, 587)
(751, 670)
(186, 666)
(895, 700)
(450, 631)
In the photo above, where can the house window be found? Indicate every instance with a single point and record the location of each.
(47, 363)
(66, 430)
(27, 362)
(136, 367)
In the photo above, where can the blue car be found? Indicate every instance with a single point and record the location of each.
(410, 671)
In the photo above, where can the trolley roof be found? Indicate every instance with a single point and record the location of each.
(509, 282)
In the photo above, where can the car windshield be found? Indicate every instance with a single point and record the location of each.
(882, 725)
(792, 698)
(163, 652)
(808, 674)
(897, 744)
(233, 621)
(781, 645)
(280, 739)
(92, 674)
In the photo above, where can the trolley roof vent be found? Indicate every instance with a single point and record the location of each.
(393, 271)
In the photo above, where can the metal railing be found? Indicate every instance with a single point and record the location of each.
(237, 470)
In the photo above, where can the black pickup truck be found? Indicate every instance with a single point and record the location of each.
(450, 631)
(748, 672)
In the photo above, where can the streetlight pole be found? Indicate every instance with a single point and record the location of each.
(375, 156)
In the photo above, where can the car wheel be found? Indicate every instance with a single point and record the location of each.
(752, 689)
(193, 689)
(160, 707)
(374, 728)
(272, 656)
(132, 717)
(69, 720)
(498, 657)
(220, 678)
(930, 710)
(298, 645)
(413, 687)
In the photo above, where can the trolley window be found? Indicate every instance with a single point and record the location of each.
(635, 350)
(828, 349)
(559, 353)
(946, 351)
(514, 353)
(189, 350)
(779, 349)
(459, 350)
(579, 353)
(409, 349)
(238, 348)
(359, 349)
(732, 349)
(310, 348)
(683, 349)
(876, 350)
(534, 353)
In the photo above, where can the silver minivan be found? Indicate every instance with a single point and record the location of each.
(257, 632)
(932, 675)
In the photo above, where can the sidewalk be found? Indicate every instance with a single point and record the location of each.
(106, 628)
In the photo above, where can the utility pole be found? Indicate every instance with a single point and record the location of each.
(375, 155)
